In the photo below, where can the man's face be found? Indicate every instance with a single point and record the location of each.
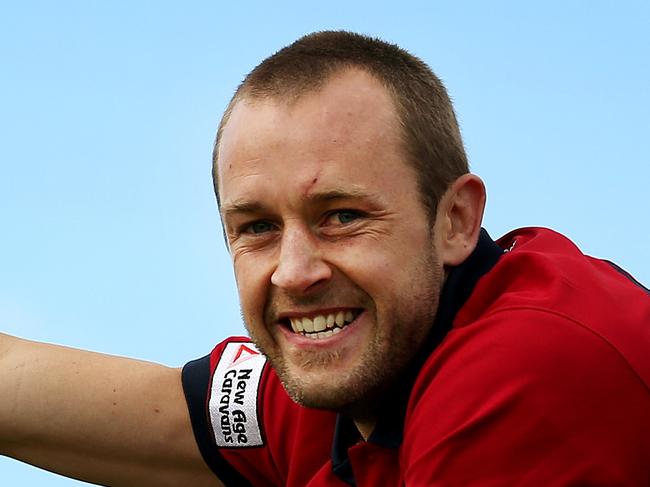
(333, 250)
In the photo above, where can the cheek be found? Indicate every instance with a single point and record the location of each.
(382, 264)
(251, 286)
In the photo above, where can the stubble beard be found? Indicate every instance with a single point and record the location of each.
(396, 340)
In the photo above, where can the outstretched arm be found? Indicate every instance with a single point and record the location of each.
(104, 419)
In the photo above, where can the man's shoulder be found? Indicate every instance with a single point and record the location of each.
(543, 277)
(525, 344)
(525, 389)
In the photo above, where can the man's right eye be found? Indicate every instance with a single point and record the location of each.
(258, 227)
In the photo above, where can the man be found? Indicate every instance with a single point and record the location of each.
(394, 343)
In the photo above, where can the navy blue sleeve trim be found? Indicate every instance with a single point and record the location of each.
(196, 382)
(628, 275)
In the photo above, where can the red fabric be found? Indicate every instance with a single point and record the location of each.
(542, 381)
(291, 433)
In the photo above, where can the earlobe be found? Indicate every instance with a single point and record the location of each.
(458, 222)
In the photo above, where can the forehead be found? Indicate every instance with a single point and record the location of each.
(347, 126)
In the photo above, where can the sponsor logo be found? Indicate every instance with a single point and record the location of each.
(512, 246)
(243, 353)
(233, 396)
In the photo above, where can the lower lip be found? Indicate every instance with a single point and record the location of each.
(347, 332)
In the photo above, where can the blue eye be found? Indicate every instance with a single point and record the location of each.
(259, 227)
(347, 216)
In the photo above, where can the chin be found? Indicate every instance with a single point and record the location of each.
(329, 397)
(344, 391)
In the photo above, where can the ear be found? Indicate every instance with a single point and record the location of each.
(458, 219)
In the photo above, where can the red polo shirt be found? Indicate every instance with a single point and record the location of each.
(536, 372)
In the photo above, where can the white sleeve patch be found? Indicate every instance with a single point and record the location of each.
(233, 396)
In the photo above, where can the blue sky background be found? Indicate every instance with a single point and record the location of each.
(109, 236)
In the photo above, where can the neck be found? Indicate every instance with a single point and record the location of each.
(365, 427)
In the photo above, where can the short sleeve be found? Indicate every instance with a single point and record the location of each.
(247, 428)
(224, 393)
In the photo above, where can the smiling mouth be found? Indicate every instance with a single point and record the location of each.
(324, 325)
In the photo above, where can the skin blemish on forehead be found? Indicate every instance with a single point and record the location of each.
(309, 185)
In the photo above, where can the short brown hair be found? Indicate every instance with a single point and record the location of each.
(431, 136)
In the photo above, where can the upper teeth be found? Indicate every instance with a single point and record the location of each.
(320, 324)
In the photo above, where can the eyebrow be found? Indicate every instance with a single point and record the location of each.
(241, 206)
(247, 206)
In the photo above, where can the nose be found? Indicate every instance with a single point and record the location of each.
(300, 267)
